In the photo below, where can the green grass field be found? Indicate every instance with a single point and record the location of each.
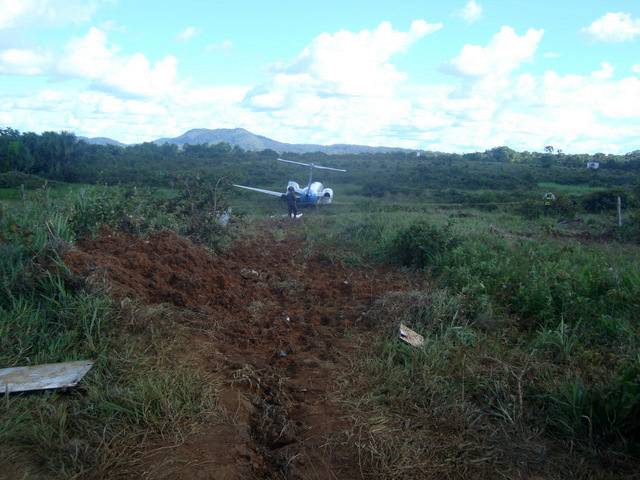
(530, 325)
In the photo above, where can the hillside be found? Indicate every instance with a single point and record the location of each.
(250, 141)
(102, 141)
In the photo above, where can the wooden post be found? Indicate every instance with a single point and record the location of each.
(619, 211)
(22, 194)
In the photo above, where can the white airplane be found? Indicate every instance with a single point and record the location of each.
(313, 194)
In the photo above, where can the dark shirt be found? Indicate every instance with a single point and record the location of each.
(291, 199)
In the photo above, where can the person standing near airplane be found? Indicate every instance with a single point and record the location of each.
(291, 202)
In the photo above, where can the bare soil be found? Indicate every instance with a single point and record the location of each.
(274, 326)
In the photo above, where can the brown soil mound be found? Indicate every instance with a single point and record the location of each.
(165, 268)
(272, 329)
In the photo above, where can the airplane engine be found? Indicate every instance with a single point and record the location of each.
(326, 197)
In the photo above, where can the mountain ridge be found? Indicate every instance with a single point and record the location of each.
(243, 138)
(101, 141)
(247, 140)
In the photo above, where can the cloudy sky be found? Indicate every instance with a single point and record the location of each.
(450, 76)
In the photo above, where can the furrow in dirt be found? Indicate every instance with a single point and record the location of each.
(271, 329)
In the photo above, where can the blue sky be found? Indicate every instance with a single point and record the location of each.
(454, 76)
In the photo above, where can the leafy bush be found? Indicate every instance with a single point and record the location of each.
(630, 230)
(420, 245)
(93, 209)
(564, 206)
(191, 213)
(598, 202)
(196, 209)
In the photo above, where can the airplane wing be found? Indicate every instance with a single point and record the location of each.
(311, 165)
(329, 168)
(261, 190)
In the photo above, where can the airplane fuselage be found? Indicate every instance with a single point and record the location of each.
(312, 195)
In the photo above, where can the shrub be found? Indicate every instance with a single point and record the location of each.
(190, 214)
(420, 245)
(565, 206)
(93, 209)
(630, 230)
(599, 202)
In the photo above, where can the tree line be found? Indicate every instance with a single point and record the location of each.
(62, 156)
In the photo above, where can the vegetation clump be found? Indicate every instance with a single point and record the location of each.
(420, 245)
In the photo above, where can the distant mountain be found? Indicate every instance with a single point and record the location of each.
(250, 141)
(102, 141)
(233, 136)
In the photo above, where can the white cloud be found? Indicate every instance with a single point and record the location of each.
(605, 72)
(614, 27)
(506, 52)
(342, 64)
(17, 13)
(187, 34)
(471, 12)
(225, 46)
(92, 58)
(551, 55)
(11, 11)
(597, 94)
(16, 61)
(112, 26)
(315, 99)
(635, 68)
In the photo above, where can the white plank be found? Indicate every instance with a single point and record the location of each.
(43, 377)
(412, 338)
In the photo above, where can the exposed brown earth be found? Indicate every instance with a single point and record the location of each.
(273, 327)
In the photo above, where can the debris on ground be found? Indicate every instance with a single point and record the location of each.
(224, 217)
(412, 338)
(43, 377)
(248, 274)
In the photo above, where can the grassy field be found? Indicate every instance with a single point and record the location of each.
(530, 365)
(531, 338)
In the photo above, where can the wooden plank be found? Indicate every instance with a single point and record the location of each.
(43, 377)
(412, 338)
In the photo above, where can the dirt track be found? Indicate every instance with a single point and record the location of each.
(272, 330)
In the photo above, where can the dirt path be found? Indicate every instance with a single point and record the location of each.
(273, 328)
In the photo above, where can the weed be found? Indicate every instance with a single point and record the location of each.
(608, 412)
(561, 340)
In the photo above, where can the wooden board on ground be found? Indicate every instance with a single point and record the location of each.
(412, 338)
(43, 377)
